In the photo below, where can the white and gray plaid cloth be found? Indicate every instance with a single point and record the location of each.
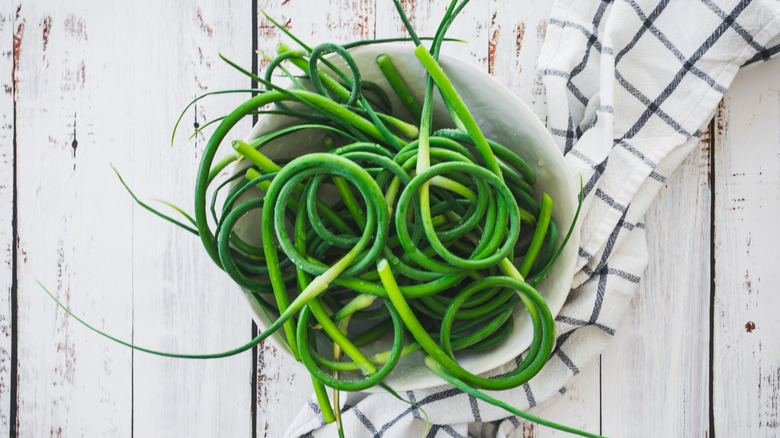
(631, 86)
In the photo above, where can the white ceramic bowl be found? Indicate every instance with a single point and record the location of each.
(503, 118)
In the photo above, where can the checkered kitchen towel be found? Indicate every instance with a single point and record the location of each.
(631, 85)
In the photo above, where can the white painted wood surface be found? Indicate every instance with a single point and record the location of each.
(103, 82)
(181, 301)
(7, 248)
(67, 231)
(747, 203)
(655, 374)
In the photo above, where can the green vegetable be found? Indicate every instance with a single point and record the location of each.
(392, 223)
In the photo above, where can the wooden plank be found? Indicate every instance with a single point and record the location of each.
(7, 171)
(313, 22)
(74, 221)
(112, 105)
(471, 25)
(182, 302)
(284, 386)
(655, 373)
(514, 38)
(746, 359)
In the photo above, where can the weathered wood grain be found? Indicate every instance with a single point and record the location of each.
(74, 221)
(655, 373)
(102, 84)
(7, 22)
(746, 359)
(471, 26)
(284, 386)
(515, 35)
(181, 301)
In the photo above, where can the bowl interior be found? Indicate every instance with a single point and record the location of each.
(503, 118)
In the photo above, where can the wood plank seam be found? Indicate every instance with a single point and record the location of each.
(13, 414)
(254, 380)
(711, 181)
